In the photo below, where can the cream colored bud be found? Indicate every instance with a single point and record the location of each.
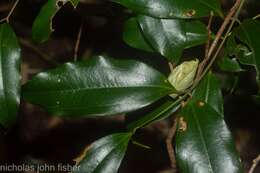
(183, 75)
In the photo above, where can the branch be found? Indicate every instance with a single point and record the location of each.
(223, 27)
(171, 66)
(234, 11)
(254, 165)
(76, 49)
(204, 62)
(209, 34)
(10, 13)
(169, 145)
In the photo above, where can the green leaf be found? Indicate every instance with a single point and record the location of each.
(209, 92)
(229, 65)
(236, 51)
(42, 26)
(248, 32)
(10, 54)
(133, 37)
(175, 35)
(227, 82)
(232, 52)
(105, 155)
(100, 86)
(163, 111)
(170, 37)
(204, 143)
(231, 45)
(173, 8)
(244, 55)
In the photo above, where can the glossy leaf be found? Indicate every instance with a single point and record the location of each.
(244, 55)
(248, 32)
(172, 8)
(232, 52)
(100, 86)
(236, 51)
(209, 92)
(229, 65)
(170, 37)
(163, 111)
(227, 82)
(105, 155)
(169, 44)
(42, 26)
(231, 45)
(10, 53)
(204, 143)
(133, 36)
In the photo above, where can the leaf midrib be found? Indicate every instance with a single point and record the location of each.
(118, 146)
(202, 138)
(98, 147)
(100, 88)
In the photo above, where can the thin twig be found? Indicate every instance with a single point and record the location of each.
(209, 34)
(227, 33)
(236, 20)
(171, 66)
(41, 54)
(254, 165)
(235, 10)
(223, 27)
(76, 49)
(10, 12)
(169, 145)
(204, 62)
(225, 37)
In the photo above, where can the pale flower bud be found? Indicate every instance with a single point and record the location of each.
(183, 75)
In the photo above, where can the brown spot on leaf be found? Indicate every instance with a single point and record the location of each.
(182, 125)
(201, 103)
(190, 13)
